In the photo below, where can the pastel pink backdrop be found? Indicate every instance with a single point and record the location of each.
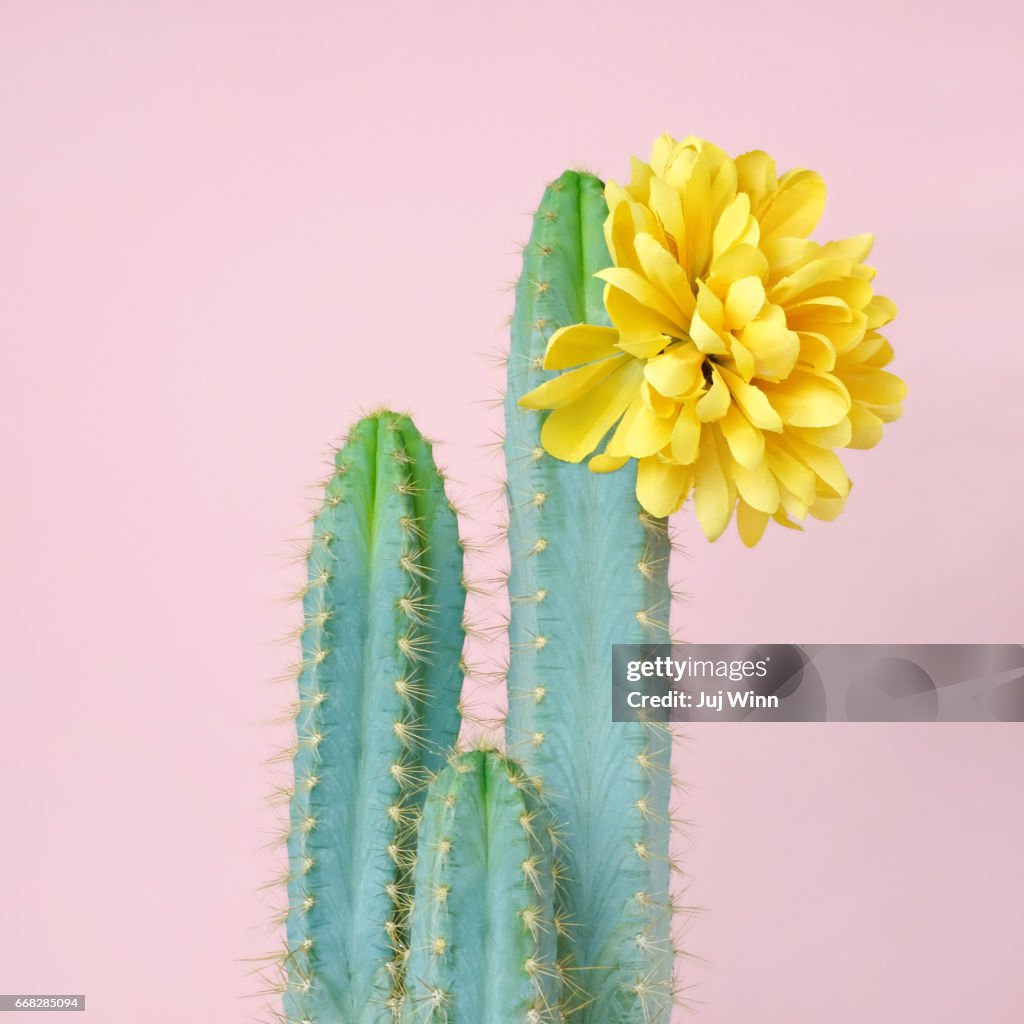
(227, 227)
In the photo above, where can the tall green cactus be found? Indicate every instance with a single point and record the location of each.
(483, 934)
(378, 708)
(588, 569)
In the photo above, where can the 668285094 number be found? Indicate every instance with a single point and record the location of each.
(42, 1002)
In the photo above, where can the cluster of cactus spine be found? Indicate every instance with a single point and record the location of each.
(430, 886)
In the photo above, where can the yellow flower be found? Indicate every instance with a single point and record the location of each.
(742, 353)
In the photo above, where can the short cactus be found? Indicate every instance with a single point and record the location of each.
(378, 710)
(588, 569)
(483, 944)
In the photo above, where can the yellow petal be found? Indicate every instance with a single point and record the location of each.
(757, 487)
(874, 387)
(744, 360)
(837, 436)
(855, 292)
(678, 164)
(880, 311)
(750, 523)
(867, 427)
(825, 309)
(791, 473)
(648, 433)
(825, 463)
(667, 206)
(785, 255)
(753, 402)
(665, 273)
(708, 322)
(615, 196)
(686, 435)
(857, 248)
(697, 215)
(723, 187)
(817, 351)
(774, 346)
(712, 498)
(706, 338)
(637, 287)
(715, 402)
(644, 344)
(756, 175)
(710, 307)
(792, 505)
(567, 387)
(731, 224)
(871, 350)
(794, 208)
(789, 289)
(639, 179)
(744, 302)
(739, 261)
(661, 488)
(827, 507)
(634, 318)
(783, 520)
(580, 343)
(888, 413)
(676, 372)
(843, 336)
(616, 448)
(573, 431)
(745, 441)
(808, 399)
(663, 149)
(658, 403)
(605, 463)
(619, 232)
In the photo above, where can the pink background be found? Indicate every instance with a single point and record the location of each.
(227, 227)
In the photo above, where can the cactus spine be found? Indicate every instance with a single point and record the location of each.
(378, 708)
(483, 936)
(588, 569)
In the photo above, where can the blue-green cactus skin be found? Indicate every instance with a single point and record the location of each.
(588, 568)
(483, 938)
(378, 708)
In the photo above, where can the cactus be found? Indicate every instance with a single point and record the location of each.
(483, 931)
(378, 708)
(447, 912)
(588, 569)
